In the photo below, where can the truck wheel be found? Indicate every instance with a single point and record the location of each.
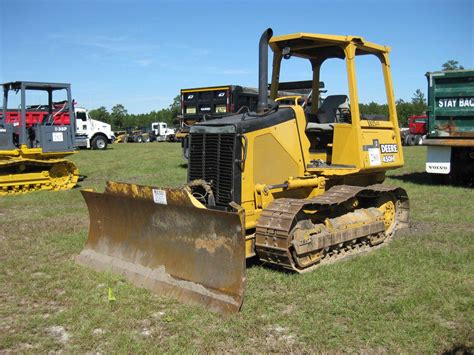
(411, 139)
(99, 142)
(407, 140)
(418, 140)
(139, 139)
(147, 140)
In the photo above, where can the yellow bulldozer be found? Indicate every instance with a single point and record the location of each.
(296, 184)
(36, 138)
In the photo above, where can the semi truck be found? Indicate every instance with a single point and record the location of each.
(450, 126)
(162, 133)
(415, 133)
(90, 133)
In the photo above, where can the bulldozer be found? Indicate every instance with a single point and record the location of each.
(296, 185)
(35, 139)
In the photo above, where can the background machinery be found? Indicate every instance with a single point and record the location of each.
(415, 134)
(162, 133)
(201, 104)
(206, 103)
(35, 139)
(450, 131)
(293, 185)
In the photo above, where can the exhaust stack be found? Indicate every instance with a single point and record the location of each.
(262, 105)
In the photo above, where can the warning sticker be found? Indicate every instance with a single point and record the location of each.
(374, 156)
(159, 196)
(58, 137)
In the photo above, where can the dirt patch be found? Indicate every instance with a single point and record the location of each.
(98, 332)
(280, 337)
(60, 333)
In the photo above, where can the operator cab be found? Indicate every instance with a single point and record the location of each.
(333, 59)
(335, 109)
(49, 124)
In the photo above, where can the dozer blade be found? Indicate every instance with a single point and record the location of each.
(161, 240)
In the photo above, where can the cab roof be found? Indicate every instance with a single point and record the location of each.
(35, 85)
(311, 45)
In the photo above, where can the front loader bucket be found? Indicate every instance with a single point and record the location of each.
(162, 240)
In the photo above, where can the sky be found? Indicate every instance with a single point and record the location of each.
(141, 53)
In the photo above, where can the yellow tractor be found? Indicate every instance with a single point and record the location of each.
(35, 139)
(296, 185)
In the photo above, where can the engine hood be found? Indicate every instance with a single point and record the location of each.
(99, 124)
(244, 123)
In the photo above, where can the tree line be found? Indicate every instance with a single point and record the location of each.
(120, 119)
(416, 106)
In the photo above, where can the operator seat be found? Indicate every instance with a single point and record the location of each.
(327, 114)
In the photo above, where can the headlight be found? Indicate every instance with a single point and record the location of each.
(221, 108)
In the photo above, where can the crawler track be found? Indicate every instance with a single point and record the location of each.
(25, 175)
(318, 226)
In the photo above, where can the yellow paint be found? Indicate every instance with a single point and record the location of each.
(281, 154)
(295, 98)
(250, 245)
(111, 295)
(272, 171)
(57, 173)
(205, 89)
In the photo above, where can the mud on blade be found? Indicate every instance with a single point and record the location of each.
(158, 239)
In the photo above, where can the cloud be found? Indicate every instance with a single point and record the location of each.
(116, 44)
(189, 49)
(100, 47)
(233, 71)
(207, 69)
(144, 62)
(226, 71)
(154, 98)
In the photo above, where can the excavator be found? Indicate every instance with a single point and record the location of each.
(296, 185)
(35, 139)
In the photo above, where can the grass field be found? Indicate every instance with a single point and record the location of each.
(415, 295)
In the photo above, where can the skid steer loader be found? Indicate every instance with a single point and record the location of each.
(35, 139)
(295, 185)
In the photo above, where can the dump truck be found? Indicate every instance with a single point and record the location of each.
(450, 127)
(34, 141)
(205, 103)
(292, 185)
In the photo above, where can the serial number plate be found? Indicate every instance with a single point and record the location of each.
(159, 196)
(58, 137)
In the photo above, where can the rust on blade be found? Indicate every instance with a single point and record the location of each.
(165, 243)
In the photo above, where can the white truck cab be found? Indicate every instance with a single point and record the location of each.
(92, 134)
(162, 132)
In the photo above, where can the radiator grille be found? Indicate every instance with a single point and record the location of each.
(211, 158)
